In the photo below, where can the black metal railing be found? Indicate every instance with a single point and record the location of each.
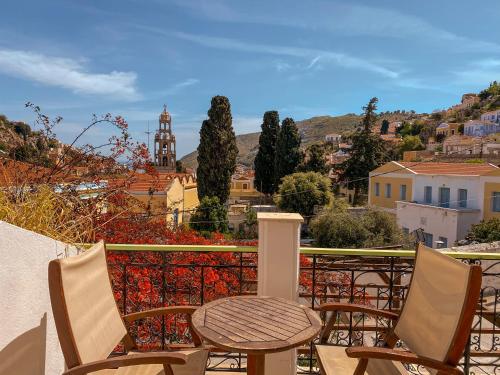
(146, 277)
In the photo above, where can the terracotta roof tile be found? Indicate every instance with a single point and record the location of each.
(461, 169)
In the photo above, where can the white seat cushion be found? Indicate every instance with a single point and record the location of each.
(334, 361)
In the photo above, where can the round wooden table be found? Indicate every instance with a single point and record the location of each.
(256, 326)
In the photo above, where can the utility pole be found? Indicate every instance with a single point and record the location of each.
(148, 133)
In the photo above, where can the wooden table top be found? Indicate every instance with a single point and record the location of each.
(256, 325)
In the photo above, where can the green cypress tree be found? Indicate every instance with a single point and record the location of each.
(384, 128)
(264, 161)
(217, 151)
(288, 154)
(368, 152)
(315, 159)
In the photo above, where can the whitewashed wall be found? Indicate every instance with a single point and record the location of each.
(471, 183)
(28, 338)
(450, 223)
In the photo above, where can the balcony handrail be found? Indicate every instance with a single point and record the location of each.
(303, 250)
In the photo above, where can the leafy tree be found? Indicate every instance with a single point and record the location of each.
(440, 137)
(492, 90)
(461, 129)
(217, 151)
(179, 168)
(210, 216)
(315, 159)
(404, 129)
(251, 224)
(368, 152)
(427, 132)
(384, 128)
(22, 129)
(251, 216)
(41, 144)
(25, 152)
(382, 227)
(288, 155)
(265, 180)
(337, 228)
(438, 116)
(302, 192)
(52, 143)
(411, 143)
(416, 128)
(370, 116)
(485, 231)
(410, 129)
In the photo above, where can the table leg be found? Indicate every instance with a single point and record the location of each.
(256, 364)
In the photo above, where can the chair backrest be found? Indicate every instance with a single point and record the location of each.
(436, 318)
(87, 319)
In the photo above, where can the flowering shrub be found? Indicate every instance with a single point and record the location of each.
(144, 280)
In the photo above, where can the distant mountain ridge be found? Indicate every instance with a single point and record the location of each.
(311, 130)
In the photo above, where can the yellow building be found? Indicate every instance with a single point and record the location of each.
(448, 129)
(345, 191)
(170, 195)
(442, 199)
(491, 198)
(243, 188)
(388, 184)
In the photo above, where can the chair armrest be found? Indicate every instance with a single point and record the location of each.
(401, 356)
(160, 311)
(352, 307)
(189, 310)
(129, 360)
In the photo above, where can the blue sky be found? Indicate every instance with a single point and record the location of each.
(303, 58)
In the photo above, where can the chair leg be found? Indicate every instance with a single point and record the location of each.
(167, 369)
(361, 367)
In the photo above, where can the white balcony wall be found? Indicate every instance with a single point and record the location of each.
(472, 184)
(449, 223)
(28, 339)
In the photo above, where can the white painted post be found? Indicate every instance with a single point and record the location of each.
(278, 272)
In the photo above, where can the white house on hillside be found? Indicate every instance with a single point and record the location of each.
(480, 128)
(333, 138)
(493, 116)
(442, 199)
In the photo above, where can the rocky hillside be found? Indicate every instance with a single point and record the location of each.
(10, 135)
(18, 141)
(312, 130)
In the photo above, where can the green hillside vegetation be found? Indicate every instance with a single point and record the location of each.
(311, 130)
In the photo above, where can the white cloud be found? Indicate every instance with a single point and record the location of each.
(68, 73)
(181, 85)
(313, 62)
(282, 66)
(488, 63)
(340, 59)
(479, 73)
(338, 18)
